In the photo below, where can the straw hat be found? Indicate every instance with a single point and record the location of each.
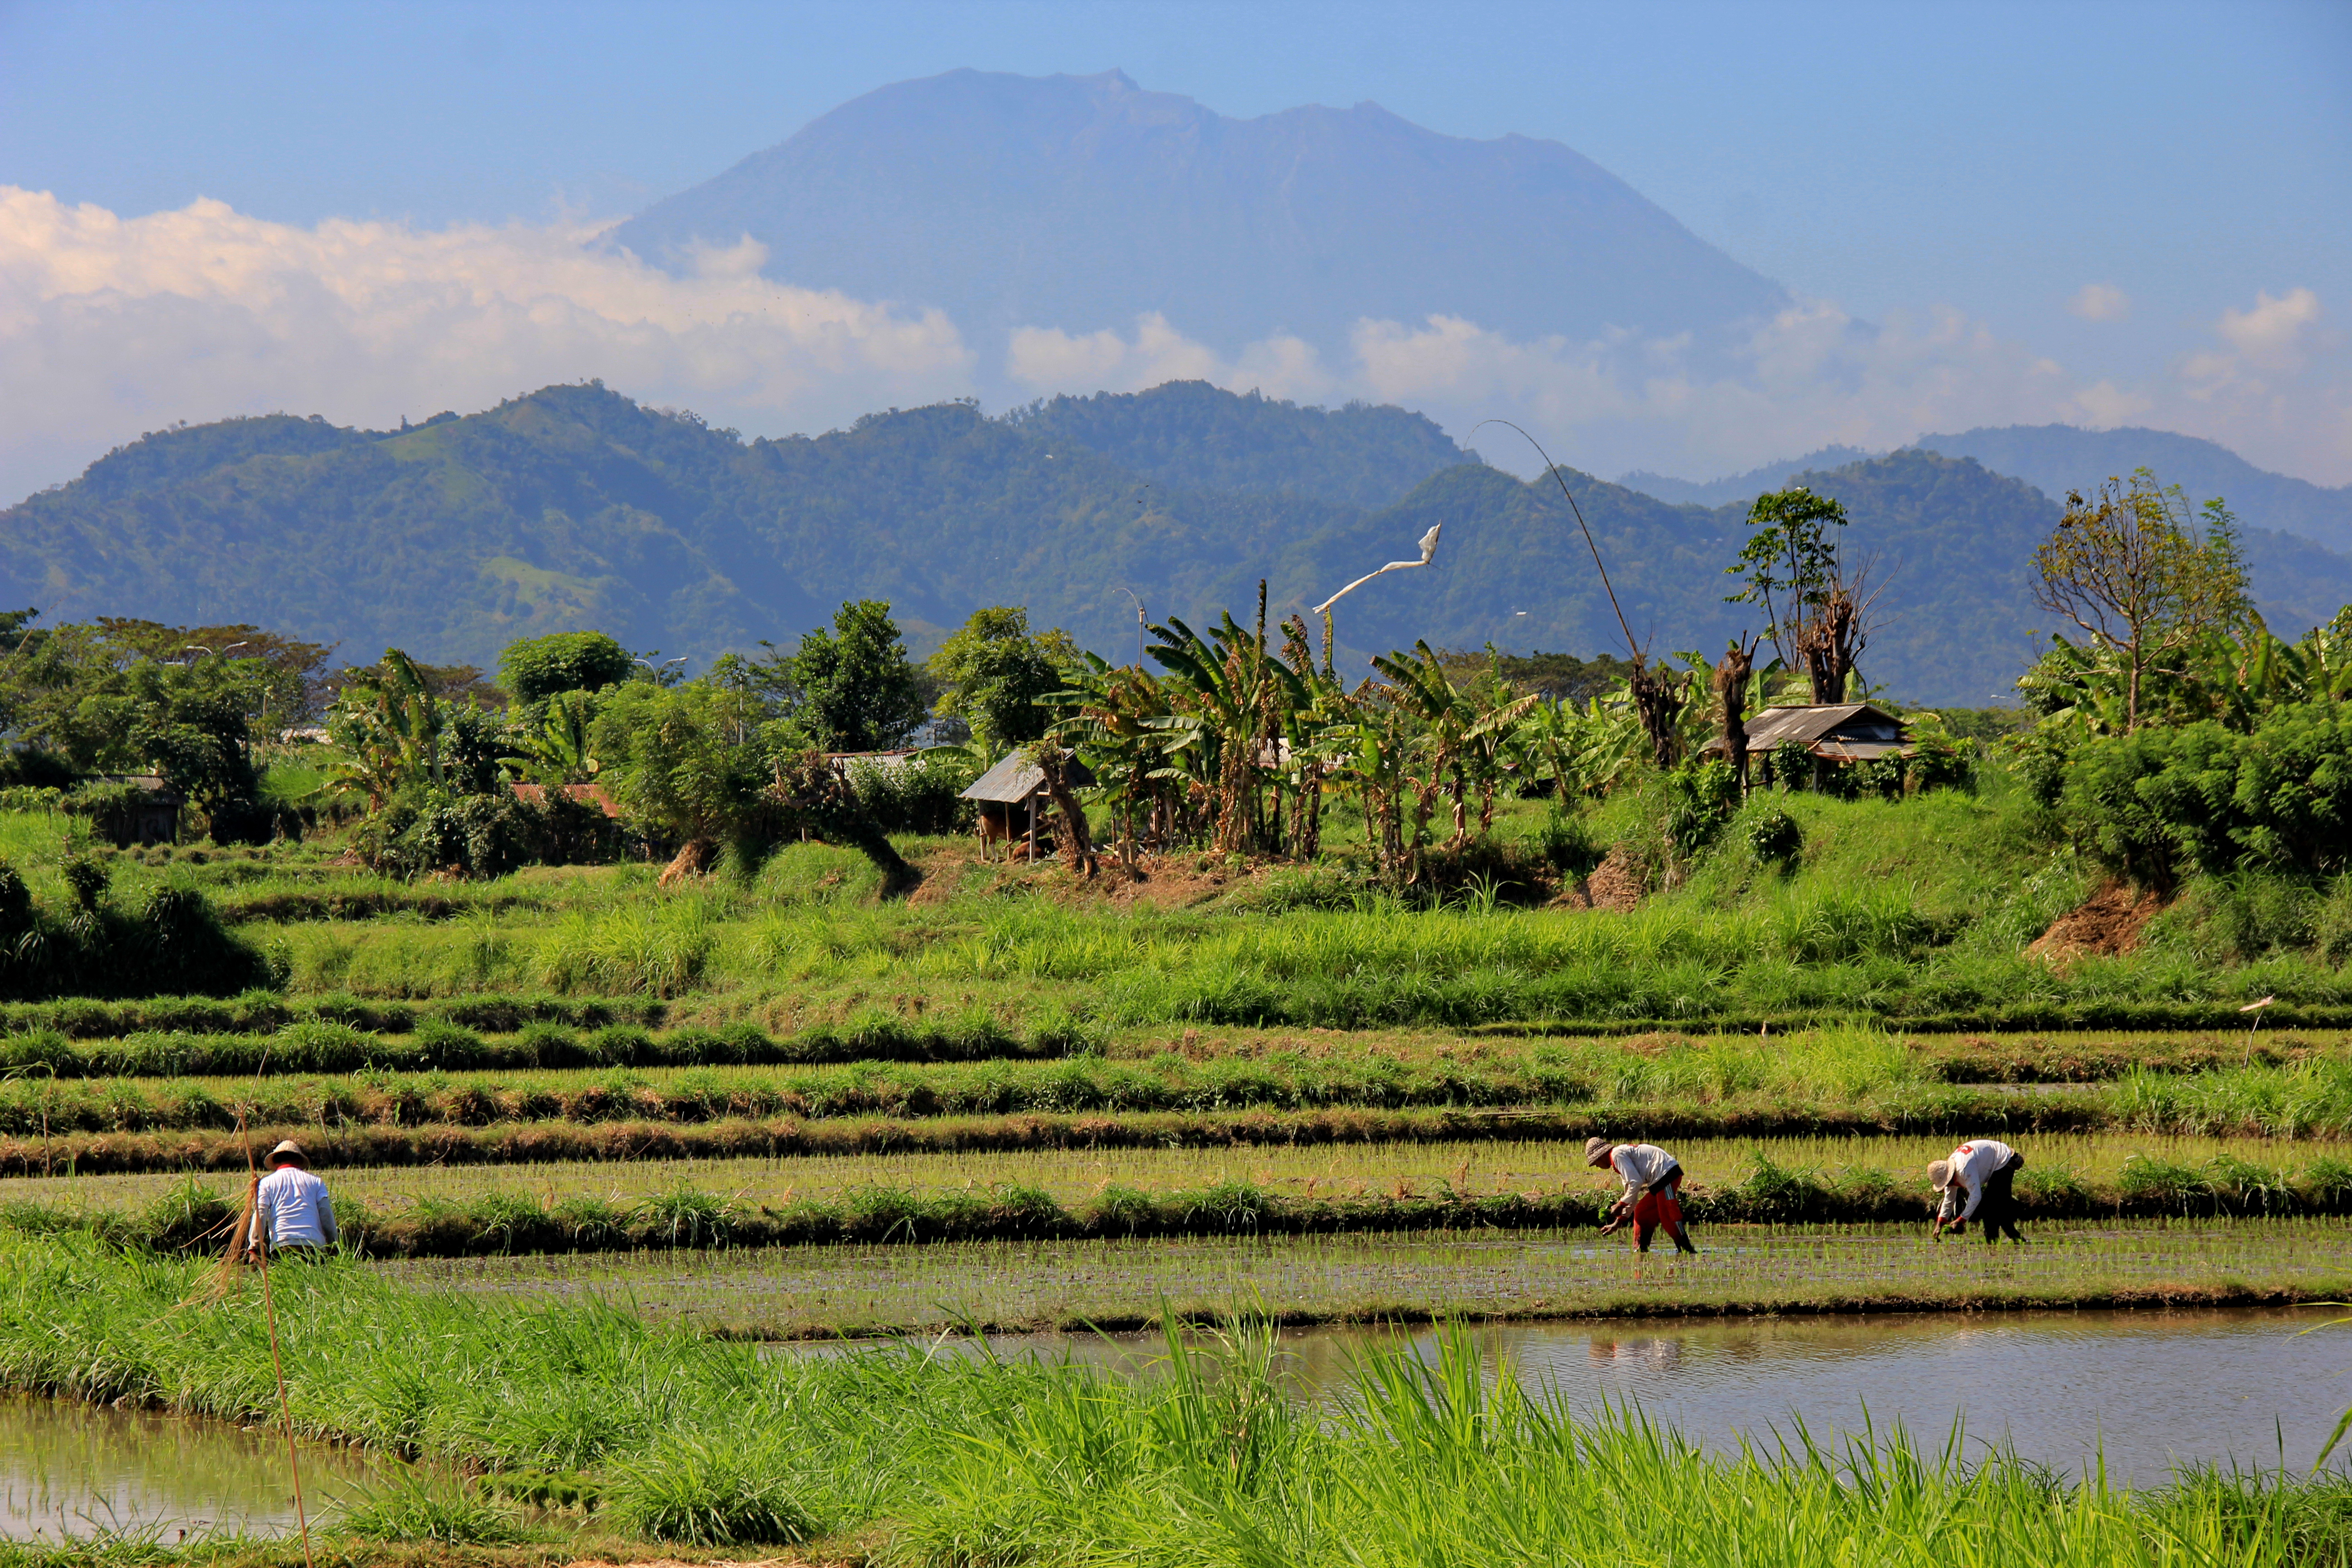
(1939, 1174)
(288, 1150)
(1596, 1151)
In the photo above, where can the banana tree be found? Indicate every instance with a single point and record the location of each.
(1228, 707)
(389, 732)
(1461, 742)
(1111, 718)
(559, 753)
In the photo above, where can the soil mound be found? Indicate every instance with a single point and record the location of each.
(2109, 922)
(1617, 883)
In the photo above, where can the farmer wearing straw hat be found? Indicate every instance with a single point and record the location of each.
(1983, 1169)
(290, 1206)
(1653, 1179)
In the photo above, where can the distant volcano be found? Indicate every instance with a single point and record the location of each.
(1080, 202)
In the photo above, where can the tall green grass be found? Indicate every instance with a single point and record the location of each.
(976, 1462)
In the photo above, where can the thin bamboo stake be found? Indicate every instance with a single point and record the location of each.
(277, 1357)
(224, 1277)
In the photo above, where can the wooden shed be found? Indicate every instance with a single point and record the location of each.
(1833, 733)
(1012, 797)
(147, 813)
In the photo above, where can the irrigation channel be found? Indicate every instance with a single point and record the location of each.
(2141, 1391)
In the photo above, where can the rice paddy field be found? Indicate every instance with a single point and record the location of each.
(2099, 1162)
(823, 1292)
(585, 1130)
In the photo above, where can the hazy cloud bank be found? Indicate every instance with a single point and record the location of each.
(113, 325)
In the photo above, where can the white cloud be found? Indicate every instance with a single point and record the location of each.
(2104, 405)
(109, 325)
(1809, 377)
(1046, 359)
(2273, 330)
(112, 325)
(2100, 302)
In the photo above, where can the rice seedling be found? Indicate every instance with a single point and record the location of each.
(789, 1292)
(671, 1205)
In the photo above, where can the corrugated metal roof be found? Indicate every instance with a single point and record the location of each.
(1016, 778)
(1850, 720)
(1833, 732)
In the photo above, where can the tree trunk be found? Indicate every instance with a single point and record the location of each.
(1080, 843)
(1657, 702)
(693, 858)
(1731, 695)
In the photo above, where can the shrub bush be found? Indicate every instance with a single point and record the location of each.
(923, 794)
(2159, 803)
(175, 942)
(1700, 798)
(1775, 838)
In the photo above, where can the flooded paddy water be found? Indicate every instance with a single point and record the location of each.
(2140, 1392)
(70, 1470)
(2143, 1391)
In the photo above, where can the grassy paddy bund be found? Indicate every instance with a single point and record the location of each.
(586, 1133)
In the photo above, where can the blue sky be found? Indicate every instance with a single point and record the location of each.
(1995, 161)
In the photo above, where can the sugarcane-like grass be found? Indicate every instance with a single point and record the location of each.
(920, 1460)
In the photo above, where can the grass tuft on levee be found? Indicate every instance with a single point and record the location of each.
(895, 1456)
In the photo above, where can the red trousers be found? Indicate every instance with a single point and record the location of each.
(1653, 1209)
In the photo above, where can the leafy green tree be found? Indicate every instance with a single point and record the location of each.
(1816, 605)
(669, 756)
(538, 668)
(994, 669)
(2144, 583)
(858, 690)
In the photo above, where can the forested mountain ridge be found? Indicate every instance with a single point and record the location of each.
(576, 507)
(1191, 435)
(2056, 459)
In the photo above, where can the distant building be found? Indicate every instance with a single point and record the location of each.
(1014, 785)
(580, 793)
(140, 809)
(1834, 733)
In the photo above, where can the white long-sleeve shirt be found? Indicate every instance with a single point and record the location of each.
(1974, 1161)
(291, 1209)
(1639, 1164)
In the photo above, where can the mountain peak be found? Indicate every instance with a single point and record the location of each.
(1081, 203)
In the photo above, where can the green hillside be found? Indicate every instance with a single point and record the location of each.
(1191, 436)
(575, 507)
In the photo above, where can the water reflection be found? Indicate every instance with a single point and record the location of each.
(2143, 1391)
(78, 1470)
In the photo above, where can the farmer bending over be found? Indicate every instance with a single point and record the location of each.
(1984, 1170)
(290, 1206)
(1652, 1180)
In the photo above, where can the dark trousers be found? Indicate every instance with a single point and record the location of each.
(1997, 1210)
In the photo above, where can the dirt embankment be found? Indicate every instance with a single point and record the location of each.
(2106, 924)
(1617, 883)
